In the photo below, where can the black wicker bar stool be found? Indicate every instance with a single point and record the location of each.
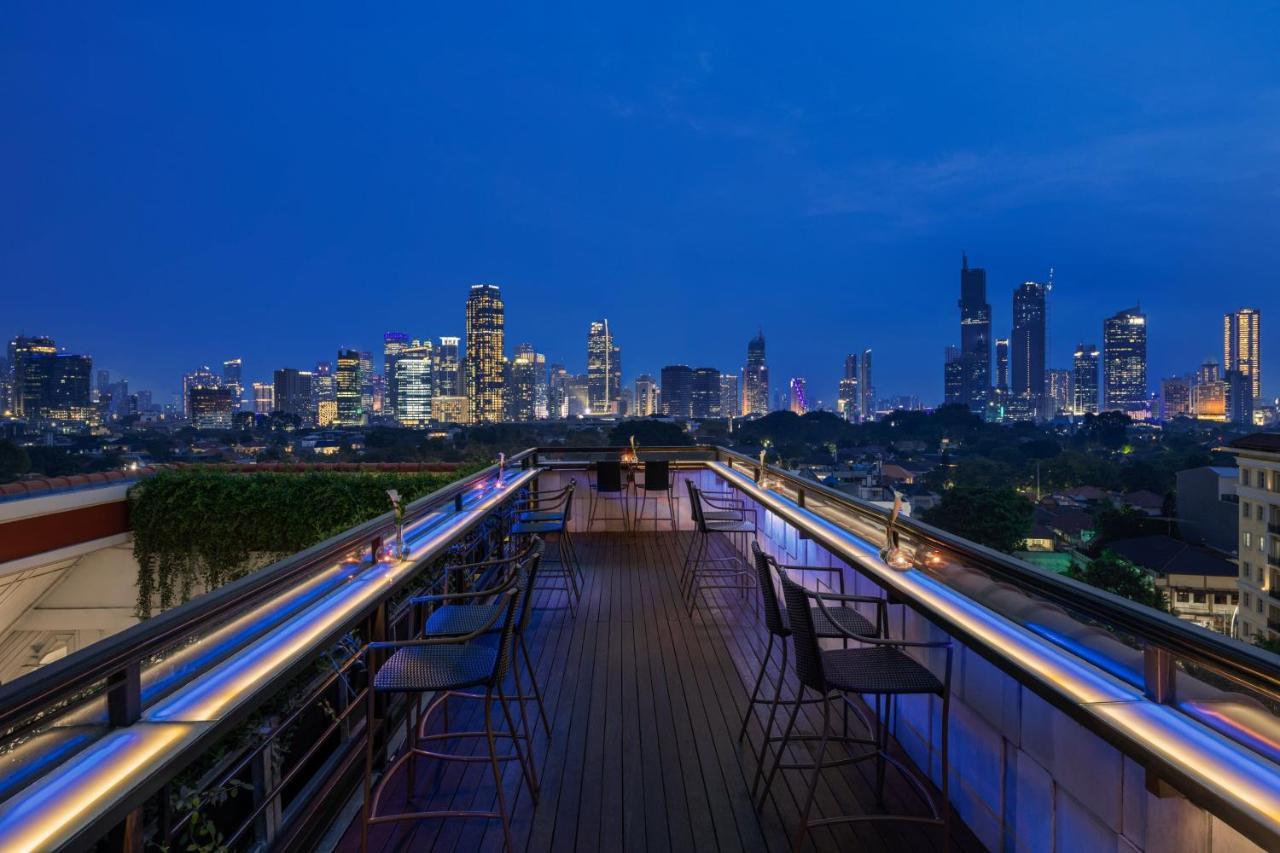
(610, 486)
(707, 573)
(881, 669)
(777, 623)
(441, 664)
(547, 514)
(657, 481)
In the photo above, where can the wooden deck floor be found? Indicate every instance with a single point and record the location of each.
(645, 705)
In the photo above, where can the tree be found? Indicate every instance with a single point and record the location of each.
(997, 518)
(1117, 575)
(1124, 522)
(649, 433)
(14, 461)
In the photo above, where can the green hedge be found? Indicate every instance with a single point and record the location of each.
(211, 527)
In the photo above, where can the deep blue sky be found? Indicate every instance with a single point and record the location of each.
(182, 185)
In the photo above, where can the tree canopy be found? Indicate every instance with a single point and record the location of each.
(995, 517)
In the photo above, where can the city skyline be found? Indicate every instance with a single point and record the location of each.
(156, 206)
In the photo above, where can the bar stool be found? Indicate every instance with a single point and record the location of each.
(548, 515)
(609, 486)
(776, 622)
(440, 664)
(881, 669)
(701, 568)
(657, 479)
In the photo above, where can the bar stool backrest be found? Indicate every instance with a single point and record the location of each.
(695, 506)
(764, 573)
(530, 573)
(608, 476)
(803, 636)
(502, 663)
(657, 475)
(568, 502)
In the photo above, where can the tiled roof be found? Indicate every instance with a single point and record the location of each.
(1166, 555)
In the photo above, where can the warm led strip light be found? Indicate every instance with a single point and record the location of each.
(56, 807)
(1245, 779)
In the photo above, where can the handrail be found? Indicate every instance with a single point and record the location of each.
(1237, 660)
(24, 696)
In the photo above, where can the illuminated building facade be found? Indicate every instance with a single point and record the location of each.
(28, 369)
(1124, 362)
(367, 392)
(704, 391)
(677, 391)
(326, 413)
(1002, 366)
(528, 374)
(211, 408)
(1242, 346)
(449, 368)
(393, 343)
(604, 369)
(1058, 394)
(1027, 346)
(414, 383)
(755, 379)
(232, 378)
(349, 383)
(264, 398)
(848, 401)
(1175, 397)
(953, 377)
(799, 396)
(646, 396)
(484, 360)
(294, 394)
(730, 400)
(975, 337)
(201, 377)
(1084, 385)
(557, 394)
(866, 388)
(451, 410)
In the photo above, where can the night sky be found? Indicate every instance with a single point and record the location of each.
(183, 185)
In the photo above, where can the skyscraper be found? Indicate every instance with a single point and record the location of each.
(1175, 397)
(868, 405)
(1058, 393)
(604, 369)
(413, 384)
(1241, 346)
(1027, 345)
(975, 336)
(66, 393)
(366, 384)
(1085, 380)
(211, 407)
(953, 377)
(557, 391)
(449, 368)
(646, 396)
(28, 373)
(485, 351)
(677, 391)
(232, 372)
(705, 391)
(295, 394)
(799, 400)
(1240, 397)
(1124, 361)
(264, 398)
(730, 400)
(847, 398)
(349, 385)
(523, 393)
(1002, 366)
(201, 377)
(755, 379)
(393, 343)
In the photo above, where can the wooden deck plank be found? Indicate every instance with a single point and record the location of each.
(645, 704)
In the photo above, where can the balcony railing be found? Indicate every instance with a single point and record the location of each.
(153, 706)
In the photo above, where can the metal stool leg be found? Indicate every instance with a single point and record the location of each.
(813, 780)
(751, 702)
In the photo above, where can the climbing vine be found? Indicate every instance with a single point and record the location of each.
(198, 529)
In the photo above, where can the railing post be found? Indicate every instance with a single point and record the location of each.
(124, 708)
(265, 778)
(1159, 674)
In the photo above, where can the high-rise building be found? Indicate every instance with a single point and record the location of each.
(557, 391)
(705, 393)
(799, 399)
(449, 368)
(28, 372)
(975, 337)
(1239, 401)
(1027, 345)
(201, 377)
(451, 410)
(1242, 345)
(523, 391)
(755, 379)
(1058, 394)
(677, 391)
(211, 407)
(66, 396)
(102, 383)
(867, 409)
(393, 343)
(484, 364)
(577, 400)
(366, 384)
(264, 398)
(1124, 361)
(414, 383)
(1175, 397)
(953, 377)
(232, 378)
(604, 369)
(847, 396)
(1002, 366)
(294, 392)
(646, 397)
(349, 389)
(1085, 380)
(730, 400)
